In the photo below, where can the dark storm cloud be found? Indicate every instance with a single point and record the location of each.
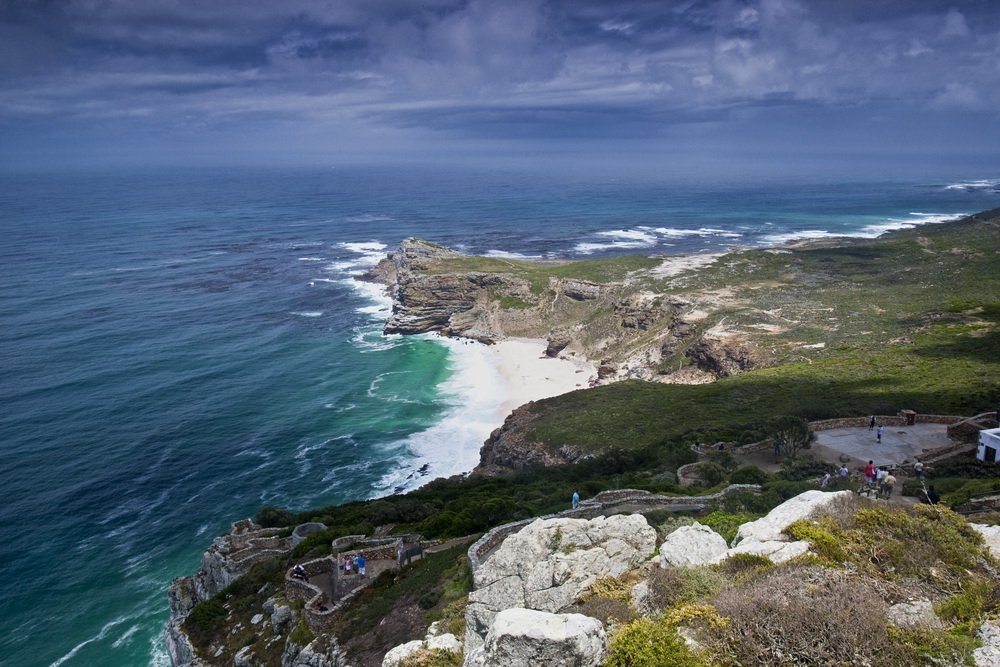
(465, 66)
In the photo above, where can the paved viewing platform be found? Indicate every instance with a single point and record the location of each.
(899, 443)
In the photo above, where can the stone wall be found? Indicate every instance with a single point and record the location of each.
(967, 430)
(884, 420)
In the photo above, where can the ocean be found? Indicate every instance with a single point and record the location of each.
(183, 346)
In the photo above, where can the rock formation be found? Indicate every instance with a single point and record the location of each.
(699, 545)
(528, 638)
(546, 565)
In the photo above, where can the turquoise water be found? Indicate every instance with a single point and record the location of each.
(183, 347)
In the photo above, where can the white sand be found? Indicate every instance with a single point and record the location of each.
(678, 264)
(532, 376)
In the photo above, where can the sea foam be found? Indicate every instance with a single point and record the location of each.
(473, 395)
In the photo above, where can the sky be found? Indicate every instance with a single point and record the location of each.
(327, 81)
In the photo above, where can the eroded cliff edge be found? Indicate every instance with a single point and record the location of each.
(628, 313)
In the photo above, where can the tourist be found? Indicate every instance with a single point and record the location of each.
(878, 434)
(918, 469)
(576, 499)
(826, 480)
(932, 496)
(871, 425)
(887, 483)
(299, 572)
(870, 472)
(348, 564)
(361, 565)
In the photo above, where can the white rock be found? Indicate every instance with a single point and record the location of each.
(696, 544)
(257, 618)
(991, 535)
(640, 599)
(914, 614)
(402, 652)
(445, 642)
(550, 562)
(988, 655)
(243, 658)
(802, 506)
(527, 638)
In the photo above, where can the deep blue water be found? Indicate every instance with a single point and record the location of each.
(181, 347)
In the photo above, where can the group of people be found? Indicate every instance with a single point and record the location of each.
(354, 563)
(880, 476)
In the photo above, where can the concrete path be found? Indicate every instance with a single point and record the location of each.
(899, 443)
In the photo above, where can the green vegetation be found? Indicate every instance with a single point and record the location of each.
(538, 272)
(514, 302)
(918, 542)
(647, 642)
(425, 577)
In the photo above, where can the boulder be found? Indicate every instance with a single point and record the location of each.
(988, 655)
(402, 653)
(696, 544)
(528, 638)
(557, 342)
(281, 613)
(550, 562)
(580, 290)
(434, 640)
(914, 614)
(802, 506)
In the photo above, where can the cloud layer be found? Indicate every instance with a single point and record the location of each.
(485, 69)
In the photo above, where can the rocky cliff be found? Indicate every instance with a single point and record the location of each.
(612, 315)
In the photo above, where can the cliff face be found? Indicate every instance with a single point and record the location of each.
(636, 332)
(508, 450)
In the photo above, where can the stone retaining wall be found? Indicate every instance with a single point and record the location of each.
(594, 507)
(883, 420)
(967, 430)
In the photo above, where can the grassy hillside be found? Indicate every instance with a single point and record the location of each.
(908, 321)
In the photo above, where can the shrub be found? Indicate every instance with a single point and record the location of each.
(743, 567)
(727, 523)
(780, 619)
(748, 475)
(723, 458)
(206, 615)
(977, 597)
(804, 467)
(274, 517)
(647, 642)
(434, 657)
(710, 474)
(605, 610)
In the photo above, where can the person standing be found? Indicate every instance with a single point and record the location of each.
(870, 472)
(918, 469)
(887, 483)
(348, 564)
(826, 480)
(361, 565)
(576, 499)
(871, 424)
(878, 434)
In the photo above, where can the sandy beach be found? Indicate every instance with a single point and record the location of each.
(532, 376)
